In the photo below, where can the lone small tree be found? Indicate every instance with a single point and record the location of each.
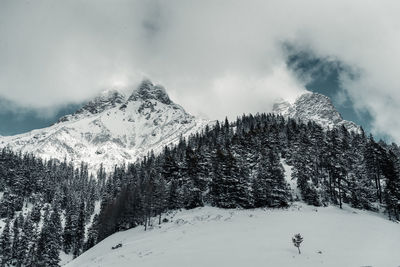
(297, 239)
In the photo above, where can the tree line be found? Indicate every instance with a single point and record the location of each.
(239, 165)
(230, 165)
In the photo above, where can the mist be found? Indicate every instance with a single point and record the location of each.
(216, 58)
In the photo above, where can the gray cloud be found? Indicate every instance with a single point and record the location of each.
(215, 57)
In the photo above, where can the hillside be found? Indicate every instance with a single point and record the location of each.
(258, 161)
(257, 237)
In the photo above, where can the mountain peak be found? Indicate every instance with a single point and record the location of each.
(110, 129)
(147, 90)
(309, 104)
(314, 107)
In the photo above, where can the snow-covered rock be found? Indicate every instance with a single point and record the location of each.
(112, 129)
(315, 107)
(261, 237)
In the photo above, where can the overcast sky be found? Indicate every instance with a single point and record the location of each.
(215, 58)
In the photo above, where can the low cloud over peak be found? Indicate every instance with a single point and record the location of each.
(215, 58)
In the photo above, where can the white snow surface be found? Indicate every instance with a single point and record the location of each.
(112, 129)
(314, 107)
(261, 237)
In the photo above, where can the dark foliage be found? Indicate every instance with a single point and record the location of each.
(232, 165)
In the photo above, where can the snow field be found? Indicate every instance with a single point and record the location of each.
(262, 237)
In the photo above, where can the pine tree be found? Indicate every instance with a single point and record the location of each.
(160, 196)
(92, 234)
(194, 182)
(261, 188)
(31, 257)
(174, 199)
(304, 172)
(5, 245)
(69, 230)
(80, 231)
(35, 213)
(297, 240)
(16, 246)
(373, 161)
(229, 187)
(50, 240)
(7, 204)
(390, 169)
(280, 192)
(26, 242)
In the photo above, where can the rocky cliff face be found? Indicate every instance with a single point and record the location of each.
(314, 107)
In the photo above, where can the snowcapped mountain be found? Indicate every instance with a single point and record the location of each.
(314, 107)
(112, 128)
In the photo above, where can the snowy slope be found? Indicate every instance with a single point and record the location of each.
(261, 237)
(314, 107)
(112, 129)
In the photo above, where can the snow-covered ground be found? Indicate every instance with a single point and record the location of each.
(262, 237)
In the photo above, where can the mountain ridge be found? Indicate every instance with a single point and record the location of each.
(112, 129)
